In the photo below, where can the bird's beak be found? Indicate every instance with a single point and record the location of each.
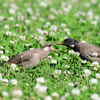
(59, 43)
(53, 48)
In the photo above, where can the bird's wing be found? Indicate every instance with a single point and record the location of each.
(87, 51)
(24, 56)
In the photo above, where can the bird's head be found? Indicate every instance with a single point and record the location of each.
(69, 42)
(48, 47)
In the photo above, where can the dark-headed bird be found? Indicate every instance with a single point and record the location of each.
(87, 51)
(31, 57)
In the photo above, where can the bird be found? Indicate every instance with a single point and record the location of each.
(87, 51)
(31, 57)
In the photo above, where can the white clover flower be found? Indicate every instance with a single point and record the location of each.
(5, 94)
(37, 86)
(42, 19)
(98, 75)
(82, 21)
(93, 1)
(64, 72)
(11, 18)
(56, 54)
(71, 52)
(87, 72)
(53, 61)
(93, 81)
(83, 41)
(41, 91)
(13, 81)
(12, 11)
(77, 53)
(95, 68)
(67, 94)
(20, 17)
(70, 84)
(84, 61)
(1, 18)
(5, 58)
(48, 23)
(1, 52)
(22, 37)
(53, 28)
(66, 11)
(18, 25)
(58, 12)
(40, 80)
(83, 88)
(41, 38)
(57, 72)
(8, 33)
(62, 98)
(13, 66)
(75, 91)
(67, 66)
(12, 42)
(43, 4)
(49, 57)
(27, 84)
(45, 32)
(55, 95)
(31, 48)
(33, 17)
(95, 64)
(14, 6)
(95, 96)
(76, 14)
(94, 23)
(1, 47)
(48, 98)
(95, 54)
(5, 81)
(68, 72)
(39, 30)
(27, 21)
(17, 93)
(52, 34)
(67, 31)
(28, 44)
(6, 27)
(87, 4)
(52, 10)
(90, 15)
(37, 14)
(65, 58)
(30, 11)
(96, 17)
(63, 25)
(51, 17)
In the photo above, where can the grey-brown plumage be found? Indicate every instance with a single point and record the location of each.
(86, 50)
(31, 57)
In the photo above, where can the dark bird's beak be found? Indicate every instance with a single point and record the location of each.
(53, 48)
(59, 43)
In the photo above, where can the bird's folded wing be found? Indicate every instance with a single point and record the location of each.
(24, 56)
(88, 55)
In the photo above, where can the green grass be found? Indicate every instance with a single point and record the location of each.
(45, 69)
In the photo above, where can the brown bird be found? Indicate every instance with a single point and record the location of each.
(87, 51)
(31, 57)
